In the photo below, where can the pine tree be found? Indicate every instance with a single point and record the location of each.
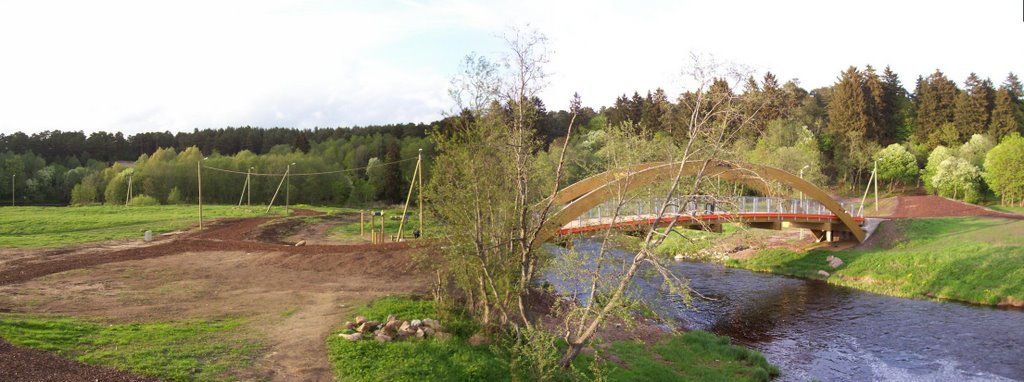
(935, 107)
(772, 98)
(974, 107)
(877, 109)
(893, 95)
(848, 111)
(1006, 115)
(1013, 84)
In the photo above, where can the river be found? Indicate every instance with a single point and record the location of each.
(813, 330)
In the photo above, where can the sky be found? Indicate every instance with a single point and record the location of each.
(134, 66)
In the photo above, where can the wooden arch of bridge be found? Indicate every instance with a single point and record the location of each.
(588, 193)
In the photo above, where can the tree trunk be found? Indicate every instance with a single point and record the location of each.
(570, 354)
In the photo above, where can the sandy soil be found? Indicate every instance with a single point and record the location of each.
(292, 296)
(925, 206)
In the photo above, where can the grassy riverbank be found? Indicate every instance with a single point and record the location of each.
(971, 259)
(690, 356)
(203, 350)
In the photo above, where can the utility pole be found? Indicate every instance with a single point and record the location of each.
(419, 166)
(875, 171)
(248, 181)
(199, 181)
(287, 188)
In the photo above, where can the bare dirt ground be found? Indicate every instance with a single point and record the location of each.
(290, 296)
(926, 206)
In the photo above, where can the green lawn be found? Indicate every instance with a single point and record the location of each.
(28, 227)
(696, 356)
(1010, 209)
(974, 259)
(200, 350)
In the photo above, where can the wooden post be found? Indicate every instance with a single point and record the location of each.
(419, 164)
(381, 226)
(408, 198)
(273, 198)
(361, 224)
(244, 186)
(875, 173)
(287, 189)
(199, 181)
(373, 228)
(128, 195)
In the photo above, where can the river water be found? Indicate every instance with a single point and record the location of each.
(813, 330)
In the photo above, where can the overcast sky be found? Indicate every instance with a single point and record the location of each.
(134, 66)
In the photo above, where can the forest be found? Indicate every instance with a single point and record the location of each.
(961, 141)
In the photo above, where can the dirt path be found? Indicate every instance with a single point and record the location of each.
(28, 365)
(290, 296)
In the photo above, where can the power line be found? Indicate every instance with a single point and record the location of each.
(307, 173)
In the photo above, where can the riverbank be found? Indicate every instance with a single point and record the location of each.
(463, 353)
(977, 260)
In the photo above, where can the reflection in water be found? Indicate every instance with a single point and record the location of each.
(813, 330)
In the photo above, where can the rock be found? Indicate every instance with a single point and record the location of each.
(367, 326)
(428, 322)
(823, 274)
(834, 262)
(301, 243)
(351, 337)
(404, 326)
(478, 339)
(415, 323)
(407, 332)
(349, 325)
(420, 333)
(392, 326)
(391, 317)
(381, 337)
(360, 320)
(427, 331)
(442, 336)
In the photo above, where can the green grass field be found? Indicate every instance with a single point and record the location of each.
(974, 259)
(200, 350)
(36, 227)
(690, 356)
(1010, 209)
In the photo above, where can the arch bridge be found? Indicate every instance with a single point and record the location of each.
(590, 204)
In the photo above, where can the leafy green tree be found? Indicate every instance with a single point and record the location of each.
(974, 106)
(789, 146)
(974, 150)
(174, 196)
(939, 154)
(1004, 169)
(958, 179)
(896, 165)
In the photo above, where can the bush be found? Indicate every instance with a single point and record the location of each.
(143, 200)
(174, 197)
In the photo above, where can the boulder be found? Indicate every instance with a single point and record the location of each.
(834, 262)
(391, 317)
(415, 323)
(420, 333)
(407, 332)
(392, 326)
(349, 325)
(367, 326)
(405, 325)
(301, 243)
(823, 274)
(427, 331)
(381, 337)
(351, 337)
(360, 320)
(427, 322)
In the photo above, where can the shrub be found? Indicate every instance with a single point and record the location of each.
(143, 200)
(174, 197)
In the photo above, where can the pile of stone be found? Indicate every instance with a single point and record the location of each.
(392, 329)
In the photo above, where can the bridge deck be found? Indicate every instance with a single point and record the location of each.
(594, 224)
